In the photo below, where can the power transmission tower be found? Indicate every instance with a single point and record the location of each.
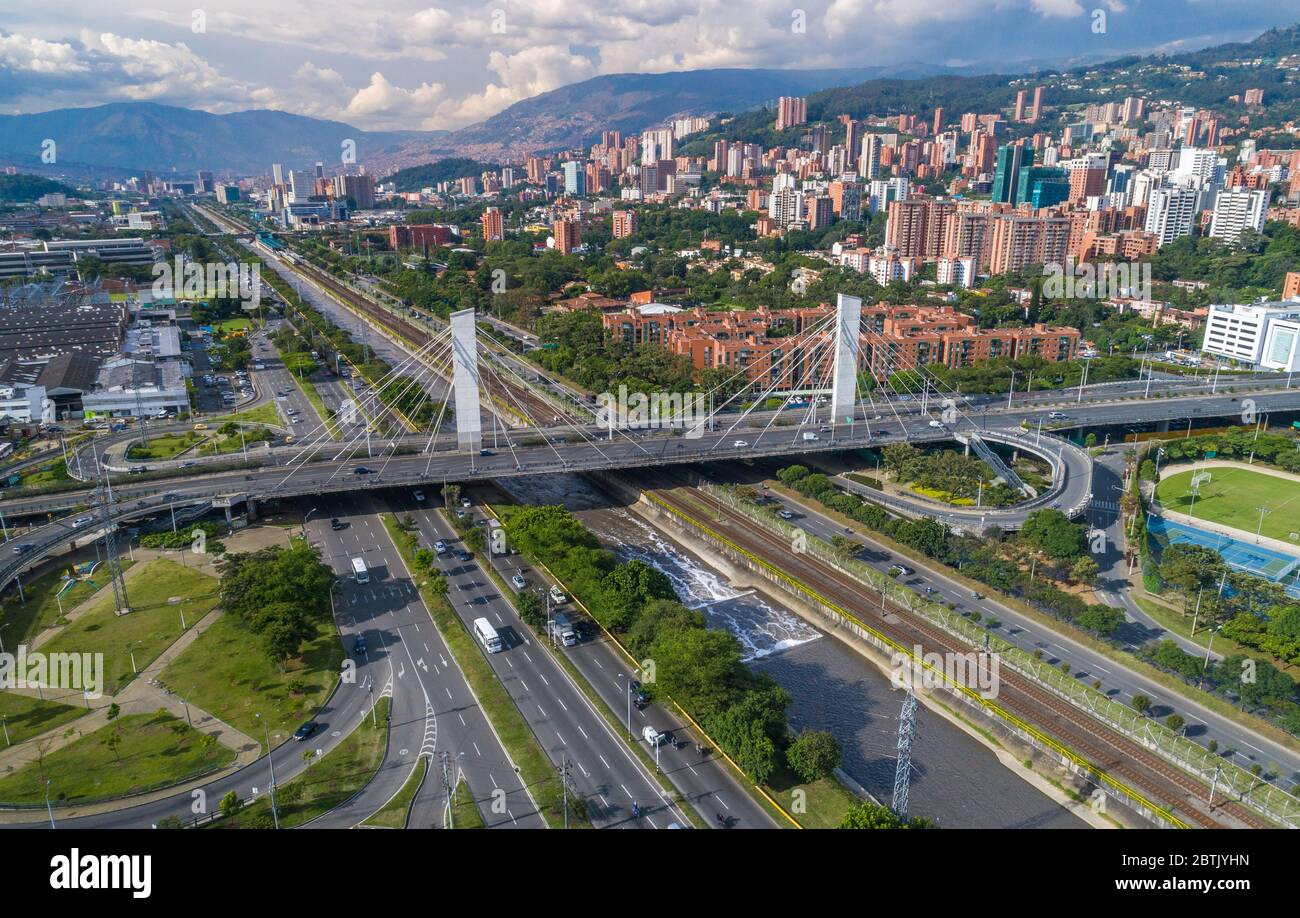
(105, 495)
(903, 767)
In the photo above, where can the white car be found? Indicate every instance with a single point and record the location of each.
(83, 520)
(418, 495)
(937, 424)
(518, 582)
(740, 444)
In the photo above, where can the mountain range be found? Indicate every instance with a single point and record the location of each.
(127, 137)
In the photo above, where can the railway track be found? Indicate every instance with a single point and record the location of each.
(1104, 748)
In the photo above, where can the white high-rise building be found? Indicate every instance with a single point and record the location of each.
(1235, 211)
(869, 158)
(656, 145)
(302, 184)
(1171, 213)
(1198, 164)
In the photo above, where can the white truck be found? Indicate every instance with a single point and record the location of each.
(562, 630)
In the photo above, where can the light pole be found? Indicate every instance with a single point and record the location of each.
(305, 518)
(275, 812)
(49, 809)
(1260, 527)
(1087, 361)
(2, 628)
(629, 705)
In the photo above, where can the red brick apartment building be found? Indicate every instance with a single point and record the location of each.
(766, 343)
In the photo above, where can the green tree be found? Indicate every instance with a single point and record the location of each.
(1052, 532)
(231, 804)
(868, 815)
(813, 754)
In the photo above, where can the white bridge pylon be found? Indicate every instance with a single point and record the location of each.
(465, 380)
(848, 316)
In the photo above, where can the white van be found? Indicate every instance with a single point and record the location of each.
(359, 572)
(487, 635)
(811, 436)
(557, 596)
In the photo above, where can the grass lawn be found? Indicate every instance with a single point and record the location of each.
(55, 471)
(825, 801)
(227, 673)
(466, 813)
(23, 621)
(330, 780)
(394, 813)
(254, 436)
(261, 414)
(1232, 497)
(235, 324)
(27, 717)
(154, 750)
(167, 446)
(152, 626)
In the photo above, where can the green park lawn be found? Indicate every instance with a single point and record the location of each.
(153, 750)
(226, 672)
(167, 446)
(1232, 497)
(264, 413)
(26, 717)
(23, 620)
(151, 627)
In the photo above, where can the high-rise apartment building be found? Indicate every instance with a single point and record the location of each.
(1038, 105)
(568, 234)
(790, 111)
(1021, 96)
(494, 229)
(624, 223)
(1237, 210)
(1171, 212)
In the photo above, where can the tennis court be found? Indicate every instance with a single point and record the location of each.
(1242, 556)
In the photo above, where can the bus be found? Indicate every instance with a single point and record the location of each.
(487, 635)
(359, 571)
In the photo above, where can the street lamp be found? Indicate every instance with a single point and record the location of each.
(305, 518)
(275, 812)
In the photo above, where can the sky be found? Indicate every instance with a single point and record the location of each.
(404, 64)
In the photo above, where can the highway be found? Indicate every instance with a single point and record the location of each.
(569, 728)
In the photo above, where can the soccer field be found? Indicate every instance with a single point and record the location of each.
(1232, 497)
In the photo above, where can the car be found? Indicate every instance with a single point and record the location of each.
(639, 697)
(785, 514)
(83, 520)
(900, 570)
(138, 469)
(518, 582)
(740, 444)
(23, 548)
(362, 470)
(485, 452)
(440, 547)
(465, 502)
(336, 524)
(463, 555)
(305, 730)
(418, 495)
(1057, 416)
(937, 424)
(359, 645)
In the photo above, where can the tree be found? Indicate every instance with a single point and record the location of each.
(868, 815)
(1052, 532)
(1085, 569)
(231, 804)
(813, 754)
(1141, 703)
(113, 740)
(1174, 722)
